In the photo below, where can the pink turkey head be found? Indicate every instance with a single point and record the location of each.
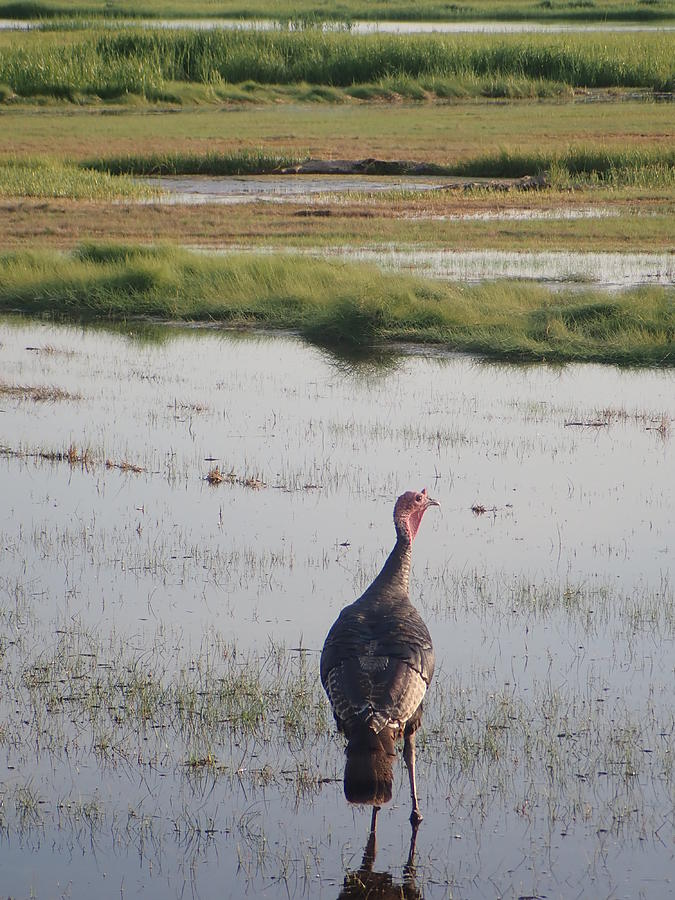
(408, 512)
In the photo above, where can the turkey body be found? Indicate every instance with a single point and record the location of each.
(376, 665)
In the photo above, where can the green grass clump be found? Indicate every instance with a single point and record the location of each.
(637, 167)
(340, 304)
(244, 162)
(75, 72)
(150, 63)
(633, 167)
(52, 178)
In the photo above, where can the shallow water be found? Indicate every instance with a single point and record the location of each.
(195, 190)
(603, 269)
(554, 606)
(277, 188)
(606, 270)
(369, 27)
(17, 25)
(503, 27)
(561, 213)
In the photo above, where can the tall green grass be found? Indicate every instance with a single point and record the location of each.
(343, 59)
(243, 162)
(343, 304)
(76, 71)
(635, 167)
(143, 62)
(54, 178)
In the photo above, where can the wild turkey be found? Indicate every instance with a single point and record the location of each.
(376, 665)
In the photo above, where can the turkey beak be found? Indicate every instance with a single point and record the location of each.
(432, 502)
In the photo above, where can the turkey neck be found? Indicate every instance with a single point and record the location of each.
(392, 582)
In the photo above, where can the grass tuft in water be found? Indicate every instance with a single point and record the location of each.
(343, 305)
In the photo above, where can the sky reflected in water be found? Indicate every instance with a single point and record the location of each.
(546, 581)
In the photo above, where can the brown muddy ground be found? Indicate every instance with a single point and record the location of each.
(433, 221)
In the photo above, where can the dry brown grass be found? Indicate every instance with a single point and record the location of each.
(50, 350)
(124, 466)
(432, 132)
(74, 456)
(81, 456)
(64, 224)
(215, 476)
(188, 407)
(36, 393)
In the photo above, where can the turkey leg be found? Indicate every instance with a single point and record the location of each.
(371, 845)
(373, 820)
(409, 757)
(409, 867)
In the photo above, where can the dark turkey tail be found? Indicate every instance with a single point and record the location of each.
(368, 770)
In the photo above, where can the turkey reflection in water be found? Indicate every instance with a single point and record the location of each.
(159, 685)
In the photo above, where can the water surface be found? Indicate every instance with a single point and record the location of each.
(558, 267)
(359, 27)
(278, 188)
(546, 760)
(602, 269)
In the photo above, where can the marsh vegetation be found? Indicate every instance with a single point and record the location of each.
(300, 13)
(610, 157)
(154, 64)
(198, 451)
(343, 304)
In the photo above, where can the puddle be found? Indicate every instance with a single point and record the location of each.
(17, 25)
(523, 215)
(311, 190)
(277, 188)
(500, 27)
(605, 269)
(367, 27)
(551, 613)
